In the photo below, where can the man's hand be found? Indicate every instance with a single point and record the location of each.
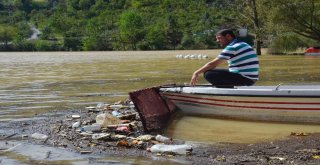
(194, 79)
(210, 65)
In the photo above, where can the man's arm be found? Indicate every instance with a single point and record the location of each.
(210, 65)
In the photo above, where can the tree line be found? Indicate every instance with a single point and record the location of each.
(92, 25)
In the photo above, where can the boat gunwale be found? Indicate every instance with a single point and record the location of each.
(244, 95)
(237, 101)
(255, 91)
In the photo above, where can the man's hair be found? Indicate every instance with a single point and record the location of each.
(224, 32)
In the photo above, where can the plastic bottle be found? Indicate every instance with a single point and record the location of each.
(76, 124)
(161, 138)
(94, 127)
(177, 149)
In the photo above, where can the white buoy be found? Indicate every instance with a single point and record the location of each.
(204, 56)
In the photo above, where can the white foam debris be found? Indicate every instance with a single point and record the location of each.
(192, 56)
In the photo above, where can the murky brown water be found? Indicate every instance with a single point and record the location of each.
(34, 83)
(230, 131)
(39, 82)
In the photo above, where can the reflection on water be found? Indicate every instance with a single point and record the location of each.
(25, 153)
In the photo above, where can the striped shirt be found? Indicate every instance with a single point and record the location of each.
(242, 59)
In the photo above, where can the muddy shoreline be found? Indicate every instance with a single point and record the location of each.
(299, 148)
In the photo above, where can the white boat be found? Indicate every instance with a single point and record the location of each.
(282, 103)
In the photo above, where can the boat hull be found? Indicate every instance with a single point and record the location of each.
(270, 106)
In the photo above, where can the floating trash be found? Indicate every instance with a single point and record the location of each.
(102, 105)
(101, 136)
(115, 113)
(161, 138)
(123, 129)
(117, 136)
(76, 124)
(182, 149)
(116, 106)
(75, 116)
(145, 137)
(106, 119)
(123, 143)
(39, 136)
(94, 127)
(106, 125)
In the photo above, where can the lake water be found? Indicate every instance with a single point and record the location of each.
(39, 82)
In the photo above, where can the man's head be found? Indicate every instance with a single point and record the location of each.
(225, 36)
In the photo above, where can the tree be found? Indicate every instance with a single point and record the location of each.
(256, 25)
(250, 17)
(172, 31)
(85, 4)
(72, 40)
(131, 28)
(97, 37)
(46, 33)
(166, 24)
(7, 34)
(286, 42)
(156, 38)
(23, 32)
(299, 16)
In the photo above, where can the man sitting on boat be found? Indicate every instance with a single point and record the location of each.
(242, 61)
